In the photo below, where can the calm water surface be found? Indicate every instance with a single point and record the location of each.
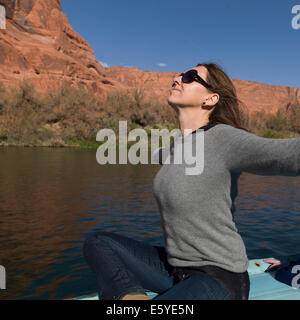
(50, 199)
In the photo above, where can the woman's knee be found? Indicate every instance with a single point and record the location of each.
(95, 238)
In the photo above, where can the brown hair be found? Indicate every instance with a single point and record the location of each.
(229, 109)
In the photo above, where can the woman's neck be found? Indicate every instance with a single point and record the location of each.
(192, 120)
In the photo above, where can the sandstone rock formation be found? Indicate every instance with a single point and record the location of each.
(256, 96)
(39, 44)
(269, 98)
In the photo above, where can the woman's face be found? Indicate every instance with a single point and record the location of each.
(189, 94)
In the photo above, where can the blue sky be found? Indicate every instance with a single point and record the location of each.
(251, 39)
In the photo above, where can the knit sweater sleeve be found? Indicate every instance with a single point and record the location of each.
(244, 151)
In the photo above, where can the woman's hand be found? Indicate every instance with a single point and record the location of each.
(274, 263)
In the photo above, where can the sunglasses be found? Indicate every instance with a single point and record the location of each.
(192, 75)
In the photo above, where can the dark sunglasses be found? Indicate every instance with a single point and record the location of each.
(192, 75)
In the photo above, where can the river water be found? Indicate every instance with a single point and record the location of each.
(51, 198)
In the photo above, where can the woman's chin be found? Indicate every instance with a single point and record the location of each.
(172, 99)
(173, 104)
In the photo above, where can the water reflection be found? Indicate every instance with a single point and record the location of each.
(51, 198)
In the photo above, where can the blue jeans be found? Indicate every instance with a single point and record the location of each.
(126, 266)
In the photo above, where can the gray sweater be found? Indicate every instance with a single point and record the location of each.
(197, 211)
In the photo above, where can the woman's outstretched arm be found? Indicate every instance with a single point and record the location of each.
(247, 152)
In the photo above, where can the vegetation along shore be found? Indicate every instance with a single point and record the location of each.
(71, 117)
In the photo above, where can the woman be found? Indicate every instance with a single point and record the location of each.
(203, 256)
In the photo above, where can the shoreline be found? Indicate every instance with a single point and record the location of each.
(93, 144)
(83, 144)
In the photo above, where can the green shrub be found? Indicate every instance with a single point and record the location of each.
(269, 133)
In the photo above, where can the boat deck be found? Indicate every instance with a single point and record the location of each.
(262, 285)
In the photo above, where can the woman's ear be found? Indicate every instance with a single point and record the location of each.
(212, 100)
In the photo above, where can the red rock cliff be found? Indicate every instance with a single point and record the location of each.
(39, 44)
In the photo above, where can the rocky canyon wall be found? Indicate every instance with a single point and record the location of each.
(40, 45)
